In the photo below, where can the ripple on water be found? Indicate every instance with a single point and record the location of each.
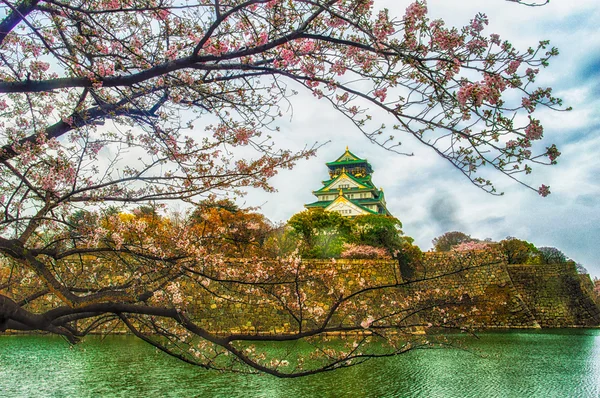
(562, 363)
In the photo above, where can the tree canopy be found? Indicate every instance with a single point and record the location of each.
(322, 232)
(551, 255)
(518, 251)
(325, 234)
(446, 241)
(109, 105)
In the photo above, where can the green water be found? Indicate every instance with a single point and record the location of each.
(559, 363)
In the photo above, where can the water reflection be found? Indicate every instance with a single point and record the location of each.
(561, 363)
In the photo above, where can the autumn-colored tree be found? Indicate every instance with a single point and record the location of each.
(223, 228)
(115, 104)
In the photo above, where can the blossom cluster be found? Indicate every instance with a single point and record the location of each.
(351, 250)
(471, 245)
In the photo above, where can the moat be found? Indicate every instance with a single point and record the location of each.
(542, 363)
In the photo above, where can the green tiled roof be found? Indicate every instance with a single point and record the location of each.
(356, 158)
(347, 162)
(363, 181)
(346, 190)
(322, 203)
(367, 201)
(372, 201)
(349, 159)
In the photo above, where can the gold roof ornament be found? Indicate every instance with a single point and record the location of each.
(340, 193)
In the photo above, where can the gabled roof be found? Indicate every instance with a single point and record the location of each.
(348, 156)
(326, 203)
(351, 160)
(361, 180)
(365, 183)
(344, 199)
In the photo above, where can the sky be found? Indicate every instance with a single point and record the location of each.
(428, 195)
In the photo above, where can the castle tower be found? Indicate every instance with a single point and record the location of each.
(349, 189)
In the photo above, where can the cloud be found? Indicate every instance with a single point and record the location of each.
(428, 195)
(591, 69)
(443, 211)
(588, 200)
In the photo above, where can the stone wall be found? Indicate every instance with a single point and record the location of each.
(505, 296)
(556, 294)
(484, 279)
(478, 284)
(522, 296)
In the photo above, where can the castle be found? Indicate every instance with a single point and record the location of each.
(349, 189)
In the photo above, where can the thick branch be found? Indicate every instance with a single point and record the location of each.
(15, 17)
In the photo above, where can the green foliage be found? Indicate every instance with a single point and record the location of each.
(80, 217)
(444, 242)
(519, 251)
(282, 241)
(322, 232)
(551, 255)
(410, 258)
(378, 231)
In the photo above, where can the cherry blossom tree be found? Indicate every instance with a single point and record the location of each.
(106, 105)
(351, 250)
(471, 245)
(448, 240)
